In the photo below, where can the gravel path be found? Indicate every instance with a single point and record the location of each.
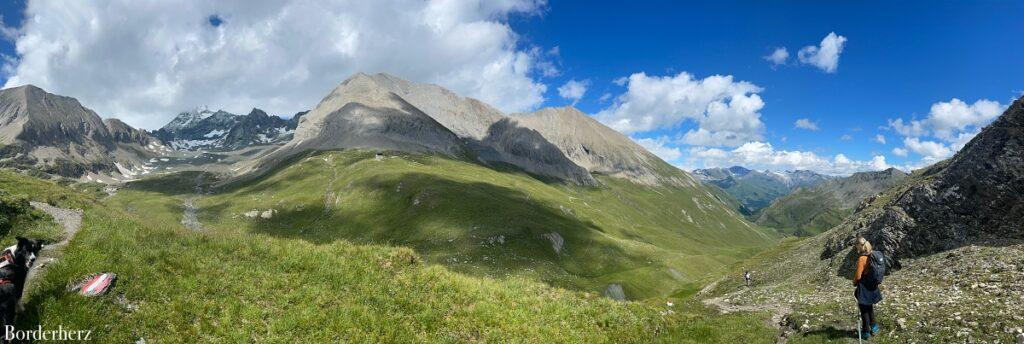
(190, 217)
(779, 311)
(71, 220)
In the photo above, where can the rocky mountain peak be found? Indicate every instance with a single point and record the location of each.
(57, 134)
(203, 129)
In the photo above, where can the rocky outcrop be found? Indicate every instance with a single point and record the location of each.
(123, 133)
(975, 196)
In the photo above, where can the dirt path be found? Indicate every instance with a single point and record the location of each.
(190, 216)
(71, 220)
(778, 311)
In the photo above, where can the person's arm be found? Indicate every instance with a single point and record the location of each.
(862, 261)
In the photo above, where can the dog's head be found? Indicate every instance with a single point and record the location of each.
(27, 251)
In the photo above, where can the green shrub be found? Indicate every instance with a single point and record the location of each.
(15, 210)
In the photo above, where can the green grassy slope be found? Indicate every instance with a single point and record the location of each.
(18, 218)
(754, 192)
(813, 210)
(650, 240)
(805, 212)
(235, 285)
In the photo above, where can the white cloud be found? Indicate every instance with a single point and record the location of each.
(950, 125)
(621, 81)
(778, 56)
(146, 61)
(931, 151)
(846, 137)
(804, 123)
(880, 138)
(726, 111)
(659, 146)
(947, 119)
(762, 155)
(824, 56)
(573, 90)
(605, 97)
(899, 151)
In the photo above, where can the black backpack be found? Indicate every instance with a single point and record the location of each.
(876, 272)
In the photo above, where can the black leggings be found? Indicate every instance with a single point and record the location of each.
(867, 317)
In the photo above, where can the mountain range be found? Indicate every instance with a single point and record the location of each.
(754, 190)
(587, 206)
(203, 129)
(814, 209)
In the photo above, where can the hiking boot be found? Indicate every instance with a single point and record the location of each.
(865, 335)
(874, 329)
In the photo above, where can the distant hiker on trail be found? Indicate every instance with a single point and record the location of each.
(870, 272)
(746, 278)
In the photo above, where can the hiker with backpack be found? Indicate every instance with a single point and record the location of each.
(869, 275)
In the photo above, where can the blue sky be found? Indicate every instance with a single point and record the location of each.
(905, 61)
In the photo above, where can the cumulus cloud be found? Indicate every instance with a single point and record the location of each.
(144, 61)
(931, 151)
(947, 120)
(880, 138)
(726, 111)
(778, 56)
(660, 146)
(573, 90)
(949, 125)
(762, 155)
(825, 56)
(899, 151)
(804, 123)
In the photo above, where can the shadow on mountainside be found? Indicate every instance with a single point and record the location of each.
(529, 151)
(457, 223)
(180, 183)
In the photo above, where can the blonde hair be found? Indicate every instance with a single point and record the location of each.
(863, 246)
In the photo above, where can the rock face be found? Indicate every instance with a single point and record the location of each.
(975, 196)
(755, 190)
(492, 136)
(123, 133)
(361, 114)
(597, 148)
(58, 135)
(812, 210)
(203, 129)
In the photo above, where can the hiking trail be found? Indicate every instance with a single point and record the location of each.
(778, 311)
(71, 221)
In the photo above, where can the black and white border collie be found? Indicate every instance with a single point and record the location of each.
(14, 264)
